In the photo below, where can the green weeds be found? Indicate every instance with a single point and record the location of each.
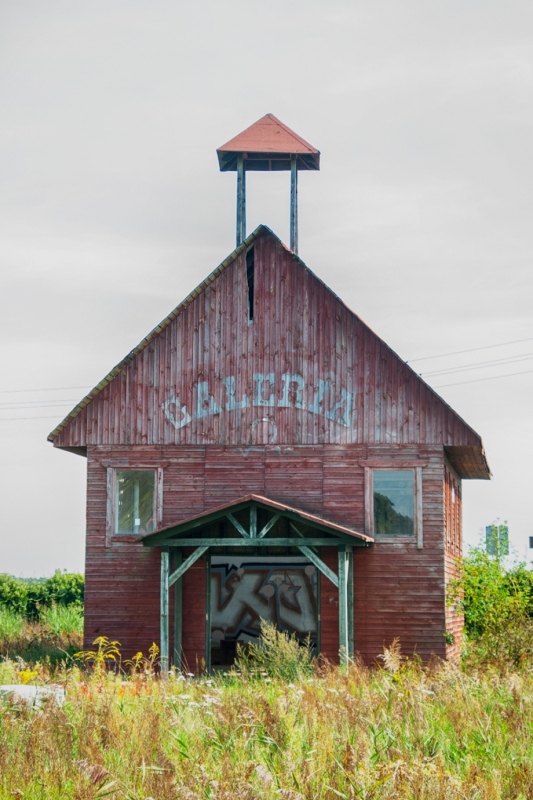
(415, 732)
(277, 654)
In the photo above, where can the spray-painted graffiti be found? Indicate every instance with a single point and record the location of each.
(284, 594)
(292, 392)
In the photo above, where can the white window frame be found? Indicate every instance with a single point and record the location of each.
(111, 498)
(416, 468)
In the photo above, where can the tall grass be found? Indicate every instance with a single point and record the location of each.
(54, 636)
(415, 732)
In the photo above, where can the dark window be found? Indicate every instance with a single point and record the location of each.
(134, 501)
(394, 502)
(250, 278)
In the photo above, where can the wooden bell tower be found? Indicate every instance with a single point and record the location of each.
(265, 146)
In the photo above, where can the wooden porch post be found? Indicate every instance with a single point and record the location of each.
(294, 206)
(208, 611)
(350, 584)
(178, 612)
(163, 647)
(343, 605)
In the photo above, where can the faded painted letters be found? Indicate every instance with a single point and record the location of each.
(292, 392)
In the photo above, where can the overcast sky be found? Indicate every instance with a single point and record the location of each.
(112, 207)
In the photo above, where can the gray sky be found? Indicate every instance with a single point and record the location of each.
(112, 207)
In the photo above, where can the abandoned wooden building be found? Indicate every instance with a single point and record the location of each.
(263, 455)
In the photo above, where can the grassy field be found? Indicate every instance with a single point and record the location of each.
(54, 636)
(398, 731)
(280, 727)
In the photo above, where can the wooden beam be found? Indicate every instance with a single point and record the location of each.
(182, 569)
(419, 528)
(178, 612)
(163, 644)
(319, 564)
(350, 585)
(253, 521)
(310, 541)
(270, 524)
(241, 200)
(237, 525)
(295, 529)
(294, 206)
(208, 613)
(343, 606)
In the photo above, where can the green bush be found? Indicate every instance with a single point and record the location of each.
(27, 597)
(497, 602)
(277, 654)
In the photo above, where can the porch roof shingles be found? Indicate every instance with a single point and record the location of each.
(169, 533)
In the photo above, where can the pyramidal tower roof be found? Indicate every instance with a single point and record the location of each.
(267, 145)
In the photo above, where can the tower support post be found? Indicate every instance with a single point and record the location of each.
(294, 205)
(241, 200)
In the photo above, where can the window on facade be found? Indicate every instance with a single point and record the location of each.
(134, 501)
(394, 502)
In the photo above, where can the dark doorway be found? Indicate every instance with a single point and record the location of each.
(282, 590)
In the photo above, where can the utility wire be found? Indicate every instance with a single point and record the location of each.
(481, 365)
(36, 404)
(56, 389)
(16, 419)
(476, 380)
(471, 350)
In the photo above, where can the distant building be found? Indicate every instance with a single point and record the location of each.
(497, 540)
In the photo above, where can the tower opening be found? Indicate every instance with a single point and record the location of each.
(250, 277)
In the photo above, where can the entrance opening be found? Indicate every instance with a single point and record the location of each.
(282, 590)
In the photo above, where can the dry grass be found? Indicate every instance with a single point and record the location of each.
(400, 732)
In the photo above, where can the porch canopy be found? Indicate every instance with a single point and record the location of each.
(257, 524)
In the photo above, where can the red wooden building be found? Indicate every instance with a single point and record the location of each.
(262, 454)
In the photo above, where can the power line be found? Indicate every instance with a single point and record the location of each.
(471, 350)
(37, 404)
(17, 419)
(56, 389)
(476, 380)
(481, 365)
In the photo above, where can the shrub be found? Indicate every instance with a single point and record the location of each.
(277, 654)
(27, 597)
(497, 603)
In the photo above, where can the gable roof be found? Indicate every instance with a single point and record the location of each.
(463, 445)
(268, 137)
(172, 532)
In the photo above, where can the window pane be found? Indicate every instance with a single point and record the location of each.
(134, 509)
(394, 502)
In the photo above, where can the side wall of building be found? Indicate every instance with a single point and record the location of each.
(453, 548)
(399, 588)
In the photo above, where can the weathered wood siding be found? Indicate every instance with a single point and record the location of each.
(399, 589)
(305, 371)
(453, 538)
